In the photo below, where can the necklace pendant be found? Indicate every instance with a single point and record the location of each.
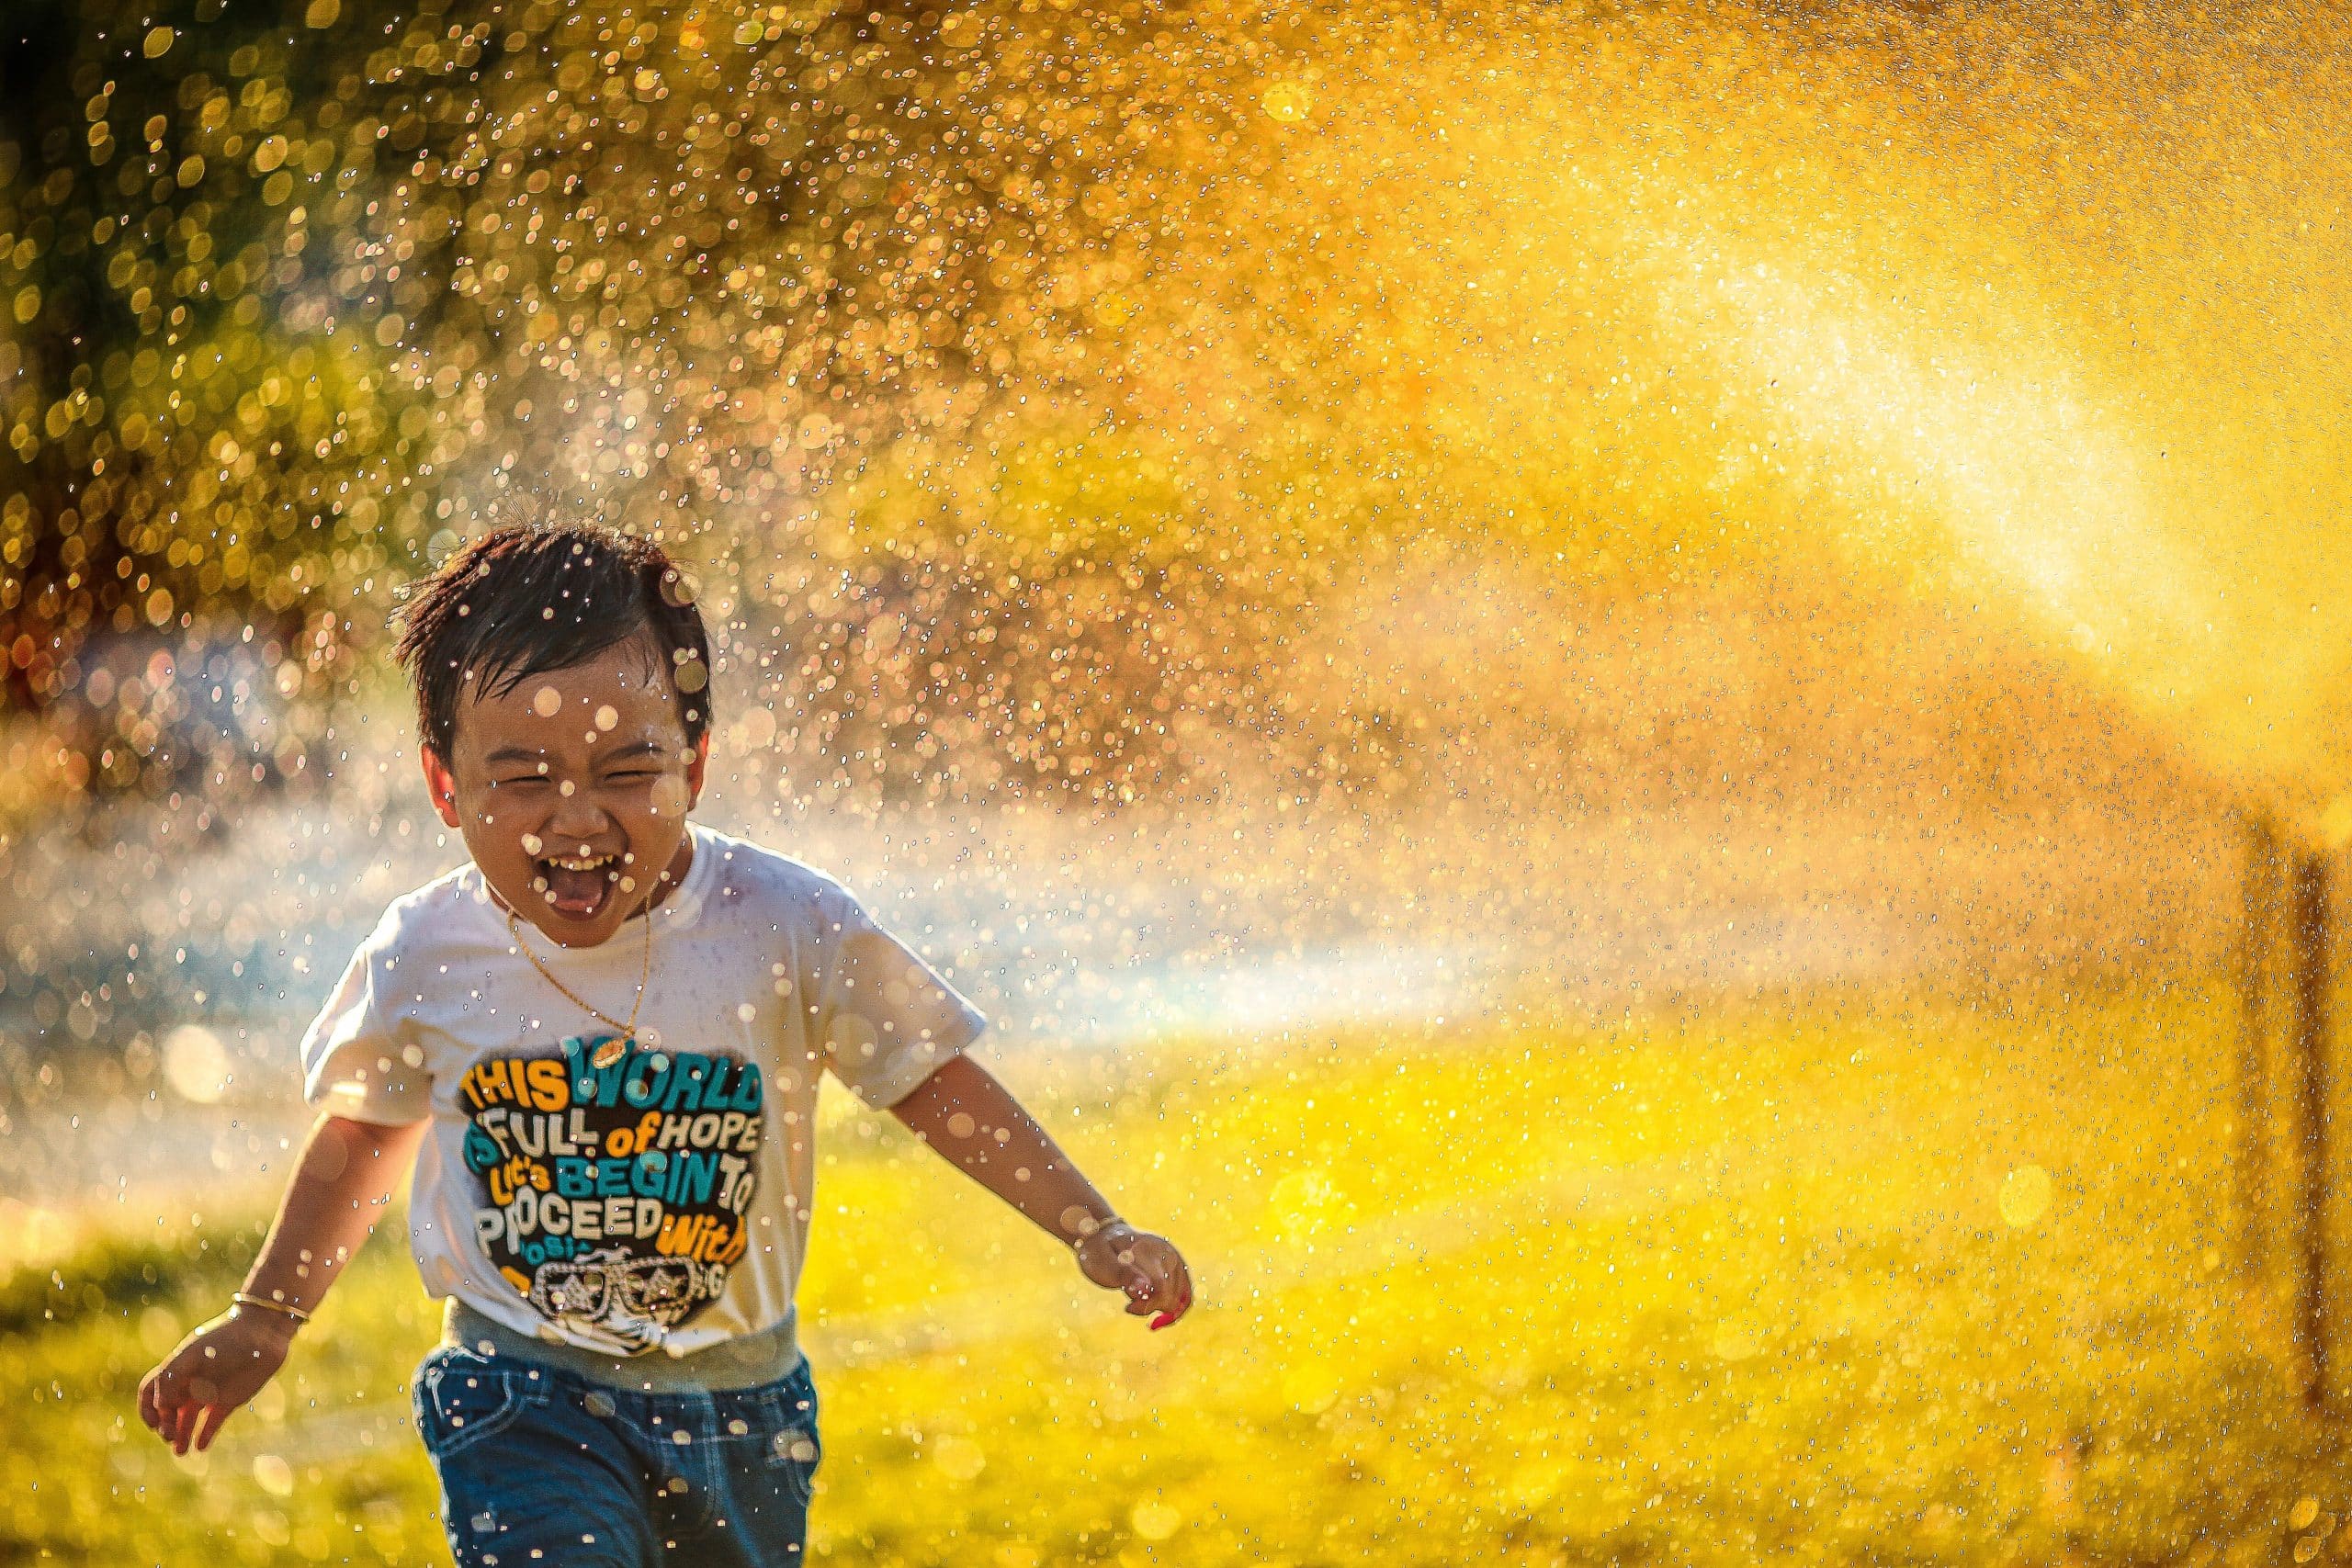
(610, 1052)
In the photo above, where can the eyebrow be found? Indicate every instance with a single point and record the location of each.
(628, 754)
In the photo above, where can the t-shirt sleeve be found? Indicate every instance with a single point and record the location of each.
(886, 1019)
(355, 1060)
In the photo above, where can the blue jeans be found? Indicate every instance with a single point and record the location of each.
(540, 1465)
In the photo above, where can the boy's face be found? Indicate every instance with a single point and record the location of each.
(571, 790)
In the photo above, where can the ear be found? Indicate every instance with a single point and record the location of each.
(439, 784)
(695, 768)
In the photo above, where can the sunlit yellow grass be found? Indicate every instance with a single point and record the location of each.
(1766, 1283)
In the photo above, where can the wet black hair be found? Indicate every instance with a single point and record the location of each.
(527, 598)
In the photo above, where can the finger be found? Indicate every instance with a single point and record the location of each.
(191, 1412)
(1178, 1304)
(1159, 1301)
(209, 1422)
(1176, 1296)
(147, 1415)
(1163, 1270)
(177, 1417)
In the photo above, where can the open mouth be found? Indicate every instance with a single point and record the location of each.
(577, 886)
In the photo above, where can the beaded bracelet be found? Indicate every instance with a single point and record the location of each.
(246, 1298)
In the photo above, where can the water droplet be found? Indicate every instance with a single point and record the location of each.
(1286, 102)
(274, 1475)
(2024, 1194)
(1312, 1387)
(195, 1064)
(1155, 1520)
(958, 1457)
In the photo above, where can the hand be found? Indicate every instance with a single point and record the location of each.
(1148, 1268)
(215, 1371)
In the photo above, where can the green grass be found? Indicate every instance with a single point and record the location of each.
(1732, 1288)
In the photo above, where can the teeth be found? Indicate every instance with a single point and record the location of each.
(575, 863)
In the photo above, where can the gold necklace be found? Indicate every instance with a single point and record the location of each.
(610, 1051)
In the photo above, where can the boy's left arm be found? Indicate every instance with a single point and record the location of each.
(972, 1120)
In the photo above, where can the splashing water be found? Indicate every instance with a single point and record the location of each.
(1360, 531)
(1474, 449)
(1080, 405)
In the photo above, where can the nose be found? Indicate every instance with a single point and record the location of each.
(577, 820)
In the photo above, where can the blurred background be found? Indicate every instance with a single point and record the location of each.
(1582, 683)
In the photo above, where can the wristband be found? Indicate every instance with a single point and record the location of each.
(1112, 1224)
(246, 1298)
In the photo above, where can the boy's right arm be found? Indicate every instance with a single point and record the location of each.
(347, 1172)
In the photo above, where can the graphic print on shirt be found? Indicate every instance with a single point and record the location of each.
(613, 1183)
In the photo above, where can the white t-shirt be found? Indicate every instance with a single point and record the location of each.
(615, 1195)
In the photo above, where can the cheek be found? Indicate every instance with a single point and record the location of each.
(499, 817)
(667, 798)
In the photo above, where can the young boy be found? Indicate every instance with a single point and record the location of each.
(603, 1036)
